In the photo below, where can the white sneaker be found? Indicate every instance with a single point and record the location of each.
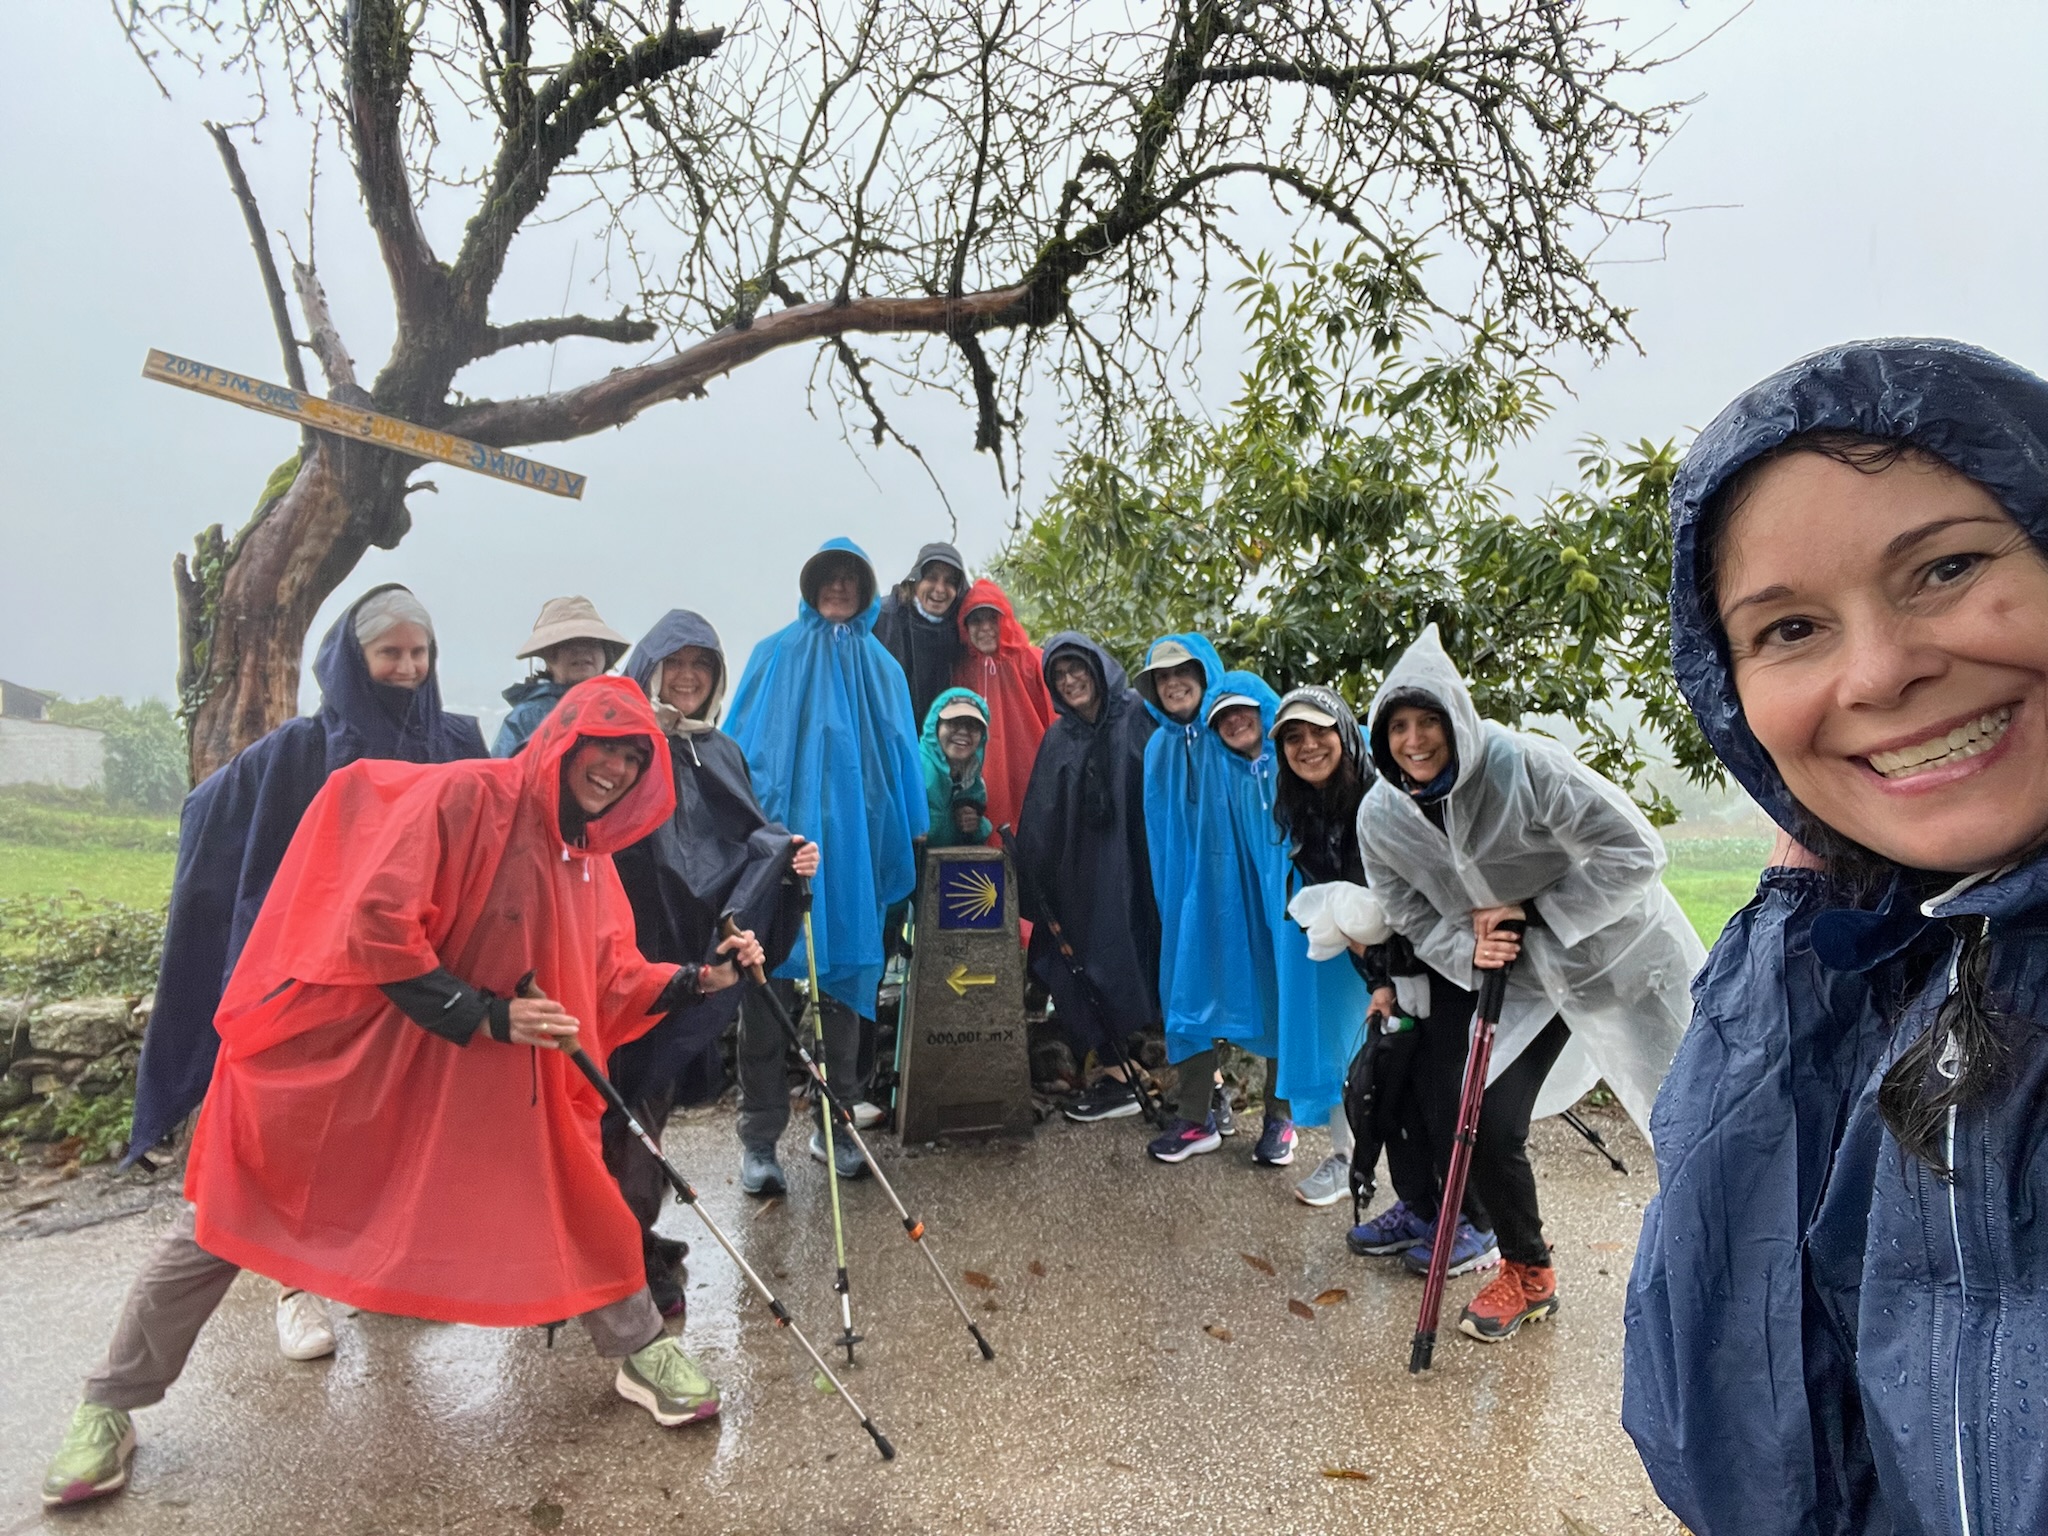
(303, 1331)
(866, 1116)
(1330, 1182)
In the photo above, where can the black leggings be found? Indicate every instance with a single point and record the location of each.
(1501, 1177)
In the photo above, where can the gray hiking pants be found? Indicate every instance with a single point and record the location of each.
(181, 1284)
(848, 1059)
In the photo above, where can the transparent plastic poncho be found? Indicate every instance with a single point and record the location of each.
(1526, 821)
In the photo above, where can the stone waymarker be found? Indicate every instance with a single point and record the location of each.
(965, 1063)
(360, 425)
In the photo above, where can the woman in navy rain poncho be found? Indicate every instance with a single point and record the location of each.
(1082, 861)
(822, 712)
(717, 854)
(1835, 1321)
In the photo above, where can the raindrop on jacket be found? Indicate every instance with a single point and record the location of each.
(1823, 1337)
(1525, 820)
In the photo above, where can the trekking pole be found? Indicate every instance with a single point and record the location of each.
(844, 1115)
(1485, 1019)
(1571, 1118)
(1149, 1098)
(688, 1196)
(847, 1337)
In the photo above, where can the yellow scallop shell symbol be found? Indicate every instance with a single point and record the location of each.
(972, 896)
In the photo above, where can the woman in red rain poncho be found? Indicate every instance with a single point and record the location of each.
(1002, 665)
(373, 1132)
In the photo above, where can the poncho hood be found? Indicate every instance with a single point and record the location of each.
(813, 574)
(607, 708)
(940, 787)
(1011, 683)
(1111, 683)
(1197, 646)
(1983, 415)
(352, 712)
(671, 632)
(1425, 667)
(1249, 685)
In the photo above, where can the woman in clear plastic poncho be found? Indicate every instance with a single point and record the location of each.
(1601, 982)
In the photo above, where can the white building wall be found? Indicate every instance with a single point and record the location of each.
(42, 752)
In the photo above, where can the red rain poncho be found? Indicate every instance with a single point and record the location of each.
(344, 1149)
(1019, 708)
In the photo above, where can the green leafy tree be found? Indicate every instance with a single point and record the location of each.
(1347, 497)
(145, 763)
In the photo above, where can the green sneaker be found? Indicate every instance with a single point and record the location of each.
(668, 1384)
(93, 1461)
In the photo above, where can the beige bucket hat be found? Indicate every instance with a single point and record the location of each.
(574, 618)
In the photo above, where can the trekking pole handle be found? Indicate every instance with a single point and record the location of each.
(729, 929)
(1493, 985)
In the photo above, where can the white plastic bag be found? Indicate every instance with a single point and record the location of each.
(1337, 915)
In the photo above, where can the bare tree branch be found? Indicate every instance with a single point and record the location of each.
(322, 337)
(521, 333)
(266, 263)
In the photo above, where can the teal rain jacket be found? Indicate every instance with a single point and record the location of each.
(940, 790)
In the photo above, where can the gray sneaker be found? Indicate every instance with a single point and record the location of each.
(1330, 1182)
(760, 1174)
(93, 1460)
(667, 1383)
(845, 1155)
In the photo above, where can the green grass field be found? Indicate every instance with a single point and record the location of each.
(1714, 877)
(51, 843)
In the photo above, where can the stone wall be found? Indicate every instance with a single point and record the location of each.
(84, 1048)
(43, 752)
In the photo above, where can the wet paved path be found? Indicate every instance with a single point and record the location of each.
(1149, 1377)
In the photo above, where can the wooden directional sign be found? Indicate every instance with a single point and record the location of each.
(361, 426)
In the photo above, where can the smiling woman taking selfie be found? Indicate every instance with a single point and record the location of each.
(1837, 1288)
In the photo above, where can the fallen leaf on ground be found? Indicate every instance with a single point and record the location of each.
(1578, 1527)
(990, 1305)
(34, 1205)
(1607, 1247)
(1218, 1332)
(1300, 1309)
(1121, 1466)
(979, 1281)
(1263, 1266)
(1348, 1474)
(1332, 1296)
(545, 1516)
(1036, 1268)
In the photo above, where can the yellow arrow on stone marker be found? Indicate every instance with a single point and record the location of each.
(359, 425)
(960, 981)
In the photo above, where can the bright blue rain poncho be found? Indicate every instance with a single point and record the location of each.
(1318, 1009)
(1824, 1335)
(1215, 982)
(822, 712)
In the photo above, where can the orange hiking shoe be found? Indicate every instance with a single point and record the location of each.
(1520, 1293)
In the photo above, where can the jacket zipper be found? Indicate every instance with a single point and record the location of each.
(1955, 1229)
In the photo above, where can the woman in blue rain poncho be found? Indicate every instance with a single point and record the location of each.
(1834, 1323)
(822, 712)
(1472, 824)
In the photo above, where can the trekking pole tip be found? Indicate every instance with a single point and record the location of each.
(1421, 1353)
(881, 1440)
(987, 1349)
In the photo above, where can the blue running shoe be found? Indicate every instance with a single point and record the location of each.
(1394, 1230)
(1470, 1249)
(1184, 1139)
(1276, 1143)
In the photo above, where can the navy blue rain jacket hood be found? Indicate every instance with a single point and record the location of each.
(232, 835)
(1823, 1336)
(719, 853)
(1082, 853)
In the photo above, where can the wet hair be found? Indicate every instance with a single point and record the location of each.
(1958, 1056)
(1322, 819)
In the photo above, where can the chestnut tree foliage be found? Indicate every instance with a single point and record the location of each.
(1347, 497)
(976, 196)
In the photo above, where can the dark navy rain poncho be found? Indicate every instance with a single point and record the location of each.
(1823, 1336)
(232, 834)
(1081, 844)
(718, 853)
(823, 715)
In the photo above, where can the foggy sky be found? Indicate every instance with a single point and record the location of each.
(1871, 167)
